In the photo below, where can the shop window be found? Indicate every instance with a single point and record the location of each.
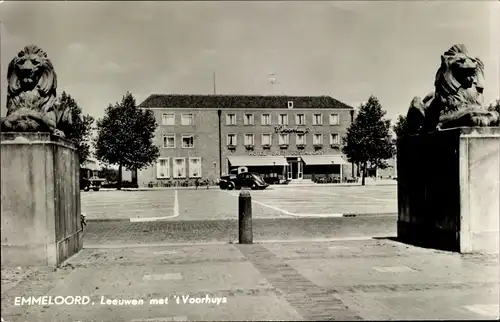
(162, 168)
(194, 167)
(179, 168)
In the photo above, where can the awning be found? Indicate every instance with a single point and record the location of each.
(322, 159)
(248, 161)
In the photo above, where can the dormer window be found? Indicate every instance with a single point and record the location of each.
(290, 104)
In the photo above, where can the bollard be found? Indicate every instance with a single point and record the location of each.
(245, 218)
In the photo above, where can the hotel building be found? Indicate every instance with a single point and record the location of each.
(206, 136)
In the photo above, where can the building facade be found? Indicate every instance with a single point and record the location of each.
(206, 136)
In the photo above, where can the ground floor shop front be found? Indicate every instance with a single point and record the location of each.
(175, 170)
(294, 167)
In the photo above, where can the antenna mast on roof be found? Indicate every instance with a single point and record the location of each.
(215, 91)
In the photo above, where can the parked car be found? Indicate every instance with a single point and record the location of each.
(250, 180)
(84, 184)
(275, 178)
(93, 183)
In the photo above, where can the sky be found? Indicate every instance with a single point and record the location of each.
(346, 49)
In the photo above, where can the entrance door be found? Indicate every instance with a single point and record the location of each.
(300, 170)
(293, 170)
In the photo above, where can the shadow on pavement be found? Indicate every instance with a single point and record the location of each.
(427, 243)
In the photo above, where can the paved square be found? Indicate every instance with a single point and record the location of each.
(216, 204)
(276, 281)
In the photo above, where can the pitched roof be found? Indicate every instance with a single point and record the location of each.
(239, 101)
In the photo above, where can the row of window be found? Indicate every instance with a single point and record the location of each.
(249, 139)
(177, 169)
(283, 139)
(187, 141)
(169, 119)
(265, 119)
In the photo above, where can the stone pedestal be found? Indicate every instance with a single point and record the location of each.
(449, 189)
(40, 199)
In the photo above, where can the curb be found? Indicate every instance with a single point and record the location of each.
(263, 241)
(138, 220)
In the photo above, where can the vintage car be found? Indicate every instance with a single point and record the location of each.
(250, 180)
(93, 183)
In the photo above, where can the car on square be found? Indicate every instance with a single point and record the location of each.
(250, 180)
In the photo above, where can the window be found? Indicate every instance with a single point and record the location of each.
(290, 104)
(334, 138)
(283, 139)
(334, 119)
(194, 167)
(169, 141)
(231, 139)
(179, 168)
(168, 119)
(266, 139)
(300, 139)
(188, 141)
(248, 119)
(187, 119)
(318, 119)
(265, 119)
(249, 139)
(283, 119)
(318, 139)
(231, 119)
(300, 119)
(162, 168)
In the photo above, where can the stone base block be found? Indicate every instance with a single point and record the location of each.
(449, 189)
(40, 190)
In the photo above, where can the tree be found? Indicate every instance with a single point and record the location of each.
(401, 127)
(125, 136)
(368, 141)
(79, 132)
(495, 106)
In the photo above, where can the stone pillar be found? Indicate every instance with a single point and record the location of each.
(40, 199)
(449, 189)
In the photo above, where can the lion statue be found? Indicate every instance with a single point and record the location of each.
(32, 105)
(458, 97)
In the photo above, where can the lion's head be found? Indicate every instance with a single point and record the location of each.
(460, 76)
(31, 70)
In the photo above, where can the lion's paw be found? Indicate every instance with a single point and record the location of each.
(482, 120)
